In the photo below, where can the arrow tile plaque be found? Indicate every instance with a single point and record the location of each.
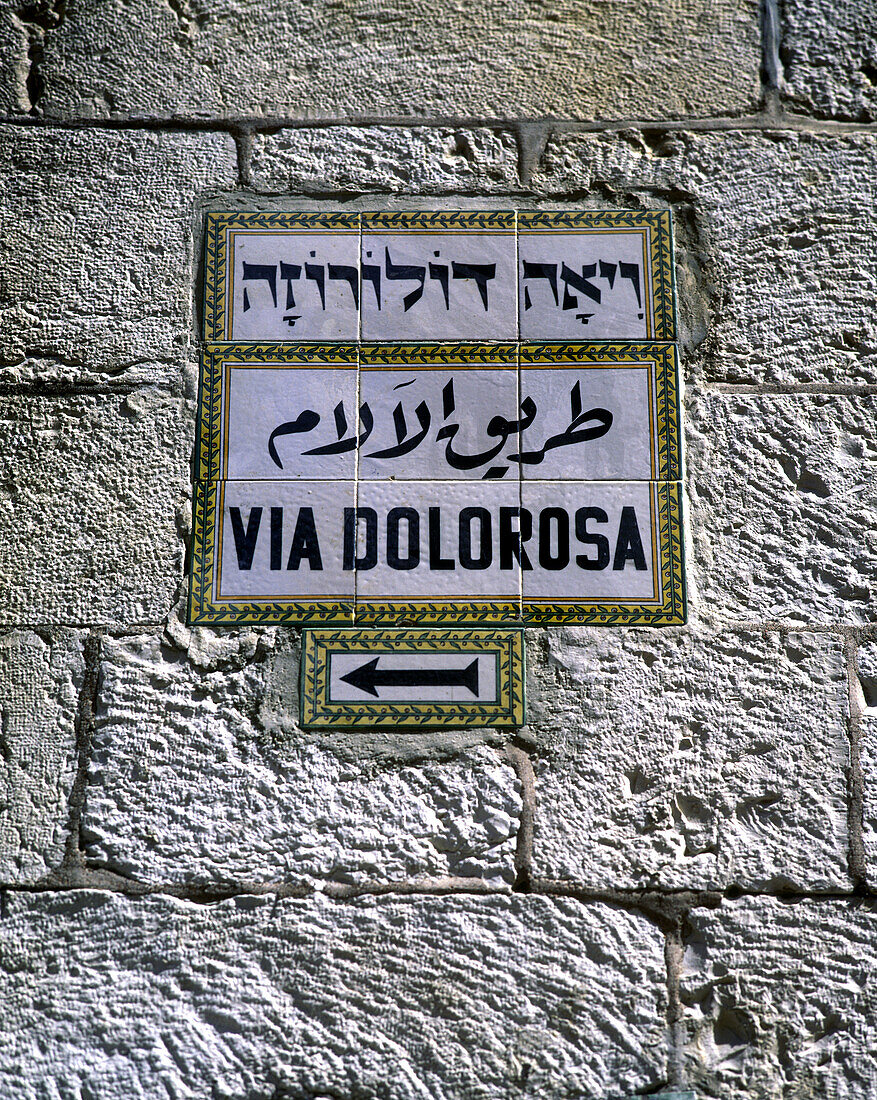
(410, 677)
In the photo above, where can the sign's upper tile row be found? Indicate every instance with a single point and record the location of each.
(439, 275)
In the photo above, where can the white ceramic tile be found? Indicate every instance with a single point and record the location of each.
(583, 285)
(590, 422)
(433, 285)
(462, 415)
(277, 417)
(588, 540)
(437, 540)
(283, 540)
(480, 684)
(295, 285)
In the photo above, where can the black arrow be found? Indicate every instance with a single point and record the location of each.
(369, 678)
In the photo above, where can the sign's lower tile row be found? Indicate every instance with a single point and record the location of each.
(432, 552)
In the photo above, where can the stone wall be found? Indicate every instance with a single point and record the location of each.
(667, 878)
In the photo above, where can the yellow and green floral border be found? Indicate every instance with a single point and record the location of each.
(317, 709)
(463, 612)
(438, 221)
(455, 354)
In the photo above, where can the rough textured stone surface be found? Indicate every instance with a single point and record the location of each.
(98, 271)
(687, 759)
(93, 495)
(783, 503)
(384, 158)
(869, 775)
(780, 1000)
(195, 779)
(442, 998)
(40, 677)
(867, 669)
(775, 242)
(867, 706)
(829, 58)
(13, 64)
(529, 57)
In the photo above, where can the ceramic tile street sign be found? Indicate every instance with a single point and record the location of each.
(403, 475)
(422, 678)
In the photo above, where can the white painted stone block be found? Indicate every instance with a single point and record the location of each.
(301, 60)
(780, 999)
(200, 774)
(829, 59)
(98, 252)
(40, 678)
(783, 502)
(403, 999)
(383, 158)
(688, 759)
(775, 242)
(869, 780)
(866, 700)
(91, 532)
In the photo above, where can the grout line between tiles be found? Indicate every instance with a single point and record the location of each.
(520, 393)
(356, 422)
